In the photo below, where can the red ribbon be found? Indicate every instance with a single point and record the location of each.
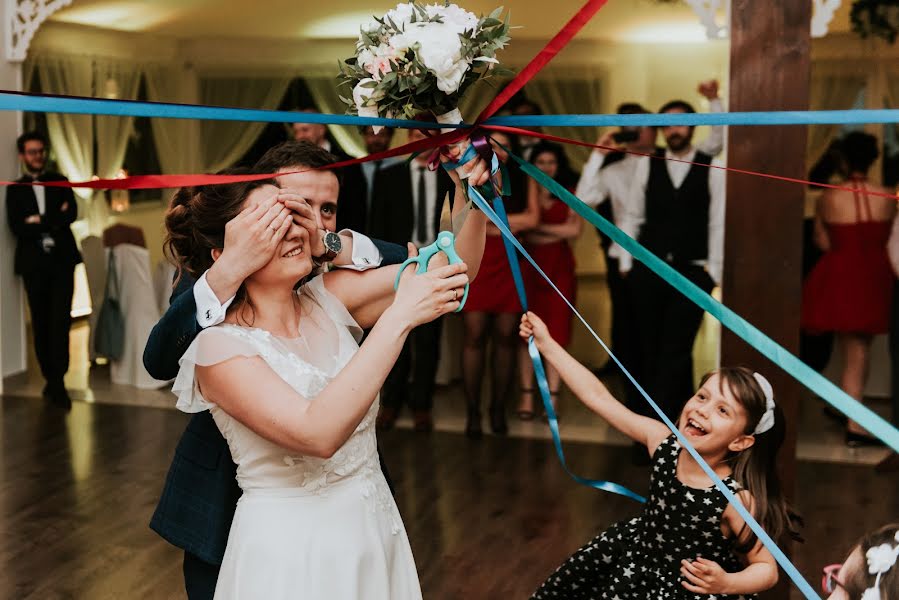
(562, 140)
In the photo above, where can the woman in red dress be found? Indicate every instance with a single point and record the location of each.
(849, 291)
(549, 245)
(492, 310)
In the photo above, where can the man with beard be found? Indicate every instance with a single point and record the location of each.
(676, 210)
(46, 254)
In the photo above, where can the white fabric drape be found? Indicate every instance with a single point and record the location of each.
(119, 81)
(72, 136)
(830, 91)
(225, 142)
(560, 93)
(326, 97)
(138, 303)
(177, 140)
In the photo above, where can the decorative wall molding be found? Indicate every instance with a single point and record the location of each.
(822, 15)
(707, 11)
(23, 18)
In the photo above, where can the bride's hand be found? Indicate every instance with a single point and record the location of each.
(422, 298)
(478, 171)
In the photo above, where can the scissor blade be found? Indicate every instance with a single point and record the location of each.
(446, 215)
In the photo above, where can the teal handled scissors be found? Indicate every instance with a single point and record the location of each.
(445, 242)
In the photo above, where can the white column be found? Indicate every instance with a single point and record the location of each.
(12, 309)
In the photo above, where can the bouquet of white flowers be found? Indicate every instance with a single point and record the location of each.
(420, 58)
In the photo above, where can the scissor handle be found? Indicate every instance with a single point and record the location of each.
(446, 243)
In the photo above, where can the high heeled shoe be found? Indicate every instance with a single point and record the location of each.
(525, 414)
(858, 440)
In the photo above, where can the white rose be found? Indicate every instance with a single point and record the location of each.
(365, 96)
(458, 18)
(365, 58)
(440, 50)
(401, 15)
(450, 81)
(401, 42)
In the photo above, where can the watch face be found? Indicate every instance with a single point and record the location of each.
(332, 242)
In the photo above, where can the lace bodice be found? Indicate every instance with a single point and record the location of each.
(327, 339)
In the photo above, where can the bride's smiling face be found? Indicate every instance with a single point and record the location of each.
(291, 260)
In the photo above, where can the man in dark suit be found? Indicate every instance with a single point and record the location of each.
(353, 210)
(406, 204)
(46, 255)
(201, 492)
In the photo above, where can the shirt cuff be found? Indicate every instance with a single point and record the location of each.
(209, 310)
(365, 254)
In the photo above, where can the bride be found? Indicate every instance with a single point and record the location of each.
(295, 397)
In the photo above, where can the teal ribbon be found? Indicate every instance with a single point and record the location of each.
(805, 375)
(500, 219)
(766, 540)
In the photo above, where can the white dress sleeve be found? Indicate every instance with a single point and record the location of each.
(212, 346)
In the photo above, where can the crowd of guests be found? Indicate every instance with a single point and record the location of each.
(673, 207)
(676, 210)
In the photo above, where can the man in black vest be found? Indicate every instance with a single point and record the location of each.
(46, 255)
(676, 210)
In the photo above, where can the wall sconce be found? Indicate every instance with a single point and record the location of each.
(120, 200)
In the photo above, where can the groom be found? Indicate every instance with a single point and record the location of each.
(201, 491)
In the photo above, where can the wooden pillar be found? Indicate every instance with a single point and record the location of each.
(769, 70)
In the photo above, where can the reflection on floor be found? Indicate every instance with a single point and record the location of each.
(819, 437)
(486, 520)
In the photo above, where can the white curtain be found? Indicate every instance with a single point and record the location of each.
(324, 93)
(559, 92)
(177, 140)
(224, 142)
(120, 81)
(830, 91)
(72, 136)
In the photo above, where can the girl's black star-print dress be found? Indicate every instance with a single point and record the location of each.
(640, 559)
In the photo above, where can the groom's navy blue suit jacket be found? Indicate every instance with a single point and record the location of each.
(201, 492)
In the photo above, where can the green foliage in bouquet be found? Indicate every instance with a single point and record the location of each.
(421, 58)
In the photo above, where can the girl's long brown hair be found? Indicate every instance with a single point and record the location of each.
(755, 468)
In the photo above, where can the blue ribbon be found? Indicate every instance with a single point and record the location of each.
(779, 355)
(132, 108)
(498, 214)
(787, 117)
(779, 556)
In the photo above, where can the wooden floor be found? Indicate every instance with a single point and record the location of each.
(487, 519)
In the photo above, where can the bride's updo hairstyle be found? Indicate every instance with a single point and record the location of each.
(196, 218)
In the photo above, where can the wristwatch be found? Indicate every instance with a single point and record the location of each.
(333, 245)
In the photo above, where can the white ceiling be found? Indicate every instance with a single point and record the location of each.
(621, 20)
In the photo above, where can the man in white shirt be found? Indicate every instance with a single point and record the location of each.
(605, 185)
(676, 210)
(45, 257)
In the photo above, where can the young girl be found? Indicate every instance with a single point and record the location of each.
(688, 543)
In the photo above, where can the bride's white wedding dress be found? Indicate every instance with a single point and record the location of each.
(305, 527)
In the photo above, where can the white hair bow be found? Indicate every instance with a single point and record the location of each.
(880, 559)
(767, 420)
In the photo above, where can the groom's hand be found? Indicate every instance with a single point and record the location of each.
(305, 217)
(251, 239)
